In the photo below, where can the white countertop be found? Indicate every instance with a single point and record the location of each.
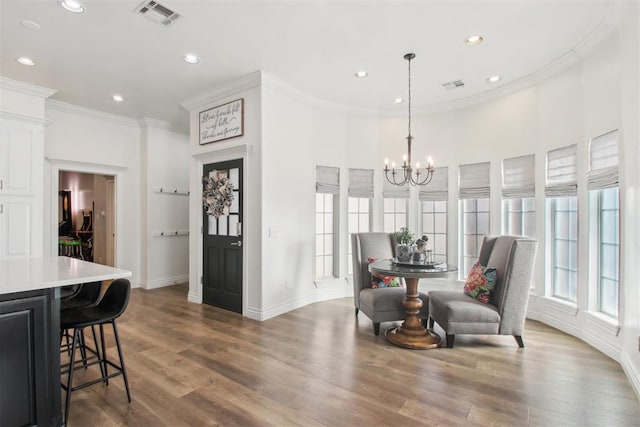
(28, 274)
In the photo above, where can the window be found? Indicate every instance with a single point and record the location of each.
(394, 213)
(474, 214)
(607, 205)
(604, 222)
(359, 221)
(519, 216)
(327, 190)
(518, 194)
(434, 225)
(433, 208)
(474, 187)
(561, 221)
(359, 209)
(564, 247)
(324, 235)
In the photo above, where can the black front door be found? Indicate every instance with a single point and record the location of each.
(222, 238)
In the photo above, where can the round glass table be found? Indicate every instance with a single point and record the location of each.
(412, 334)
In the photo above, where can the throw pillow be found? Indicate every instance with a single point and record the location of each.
(481, 283)
(381, 281)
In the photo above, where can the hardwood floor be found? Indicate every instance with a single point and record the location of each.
(195, 365)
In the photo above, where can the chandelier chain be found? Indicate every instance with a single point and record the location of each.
(406, 174)
(409, 100)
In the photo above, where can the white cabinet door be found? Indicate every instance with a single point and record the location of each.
(19, 146)
(15, 228)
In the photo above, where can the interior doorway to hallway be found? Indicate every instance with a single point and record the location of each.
(86, 216)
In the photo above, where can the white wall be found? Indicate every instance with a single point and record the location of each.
(164, 165)
(247, 147)
(593, 94)
(88, 141)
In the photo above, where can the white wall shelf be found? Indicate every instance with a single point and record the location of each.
(169, 233)
(171, 190)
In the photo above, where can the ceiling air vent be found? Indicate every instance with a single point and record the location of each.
(157, 12)
(453, 85)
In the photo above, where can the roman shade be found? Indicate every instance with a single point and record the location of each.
(518, 177)
(438, 188)
(390, 191)
(474, 181)
(327, 180)
(561, 172)
(361, 183)
(603, 161)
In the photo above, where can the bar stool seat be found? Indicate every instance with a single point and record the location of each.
(70, 247)
(111, 306)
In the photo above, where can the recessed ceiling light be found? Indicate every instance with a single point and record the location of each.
(118, 98)
(191, 59)
(361, 74)
(398, 101)
(26, 61)
(473, 40)
(494, 79)
(72, 6)
(31, 25)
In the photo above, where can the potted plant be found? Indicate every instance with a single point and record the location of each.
(404, 244)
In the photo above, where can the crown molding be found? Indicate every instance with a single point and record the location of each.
(26, 88)
(224, 90)
(65, 107)
(148, 122)
(271, 82)
(4, 115)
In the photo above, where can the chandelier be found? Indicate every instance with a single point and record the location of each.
(408, 174)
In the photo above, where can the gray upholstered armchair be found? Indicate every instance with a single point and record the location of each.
(382, 304)
(457, 313)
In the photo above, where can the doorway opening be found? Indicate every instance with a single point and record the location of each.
(86, 216)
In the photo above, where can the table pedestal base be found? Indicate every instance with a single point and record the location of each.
(416, 340)
(412, 334)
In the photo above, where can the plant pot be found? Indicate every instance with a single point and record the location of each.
(403, 253)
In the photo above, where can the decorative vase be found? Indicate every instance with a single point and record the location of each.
(403, 253)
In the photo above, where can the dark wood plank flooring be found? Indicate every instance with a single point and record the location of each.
(195, 365)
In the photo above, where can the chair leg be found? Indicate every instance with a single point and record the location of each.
(124, 370)
(519, 340)
(104, 355)
(431, 322)
(67, 404)
(376, 328)
(100, 358)
(450, 339)
(357, 311)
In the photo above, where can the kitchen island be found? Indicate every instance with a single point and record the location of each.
(30, 334)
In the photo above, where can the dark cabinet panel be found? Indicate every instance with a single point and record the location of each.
(29, 359)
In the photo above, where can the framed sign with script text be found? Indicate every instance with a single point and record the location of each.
(222, 122)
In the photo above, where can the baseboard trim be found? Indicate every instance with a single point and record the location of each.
(322, 294)
(165, 281)
(632, 373)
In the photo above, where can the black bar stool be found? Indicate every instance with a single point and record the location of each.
(84, 295)
(111, 306)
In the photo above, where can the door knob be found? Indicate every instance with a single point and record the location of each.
(238, 243)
